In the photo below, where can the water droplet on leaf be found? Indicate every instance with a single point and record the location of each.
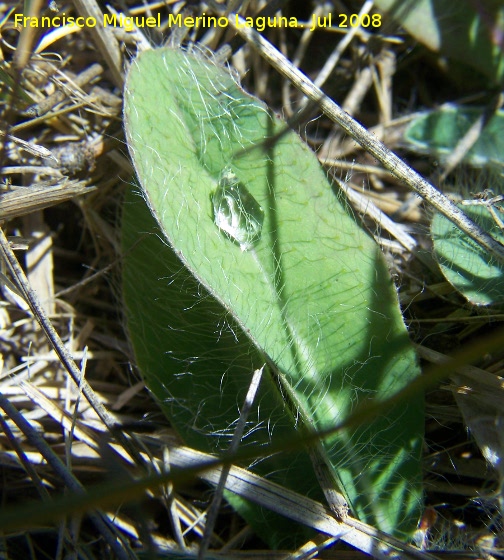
(236, 212)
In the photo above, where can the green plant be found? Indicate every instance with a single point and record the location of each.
(464, 263)
(263, 266)
(438, 132)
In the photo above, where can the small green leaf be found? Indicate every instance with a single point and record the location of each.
(468, 267)
(438, 133)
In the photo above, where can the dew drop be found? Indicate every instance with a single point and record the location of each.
(236, 212)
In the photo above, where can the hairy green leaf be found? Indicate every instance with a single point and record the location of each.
(246, 207)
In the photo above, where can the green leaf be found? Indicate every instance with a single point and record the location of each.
(249, 211)
(468, 267)
(438, 133)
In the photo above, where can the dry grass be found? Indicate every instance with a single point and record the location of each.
(64, 169)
